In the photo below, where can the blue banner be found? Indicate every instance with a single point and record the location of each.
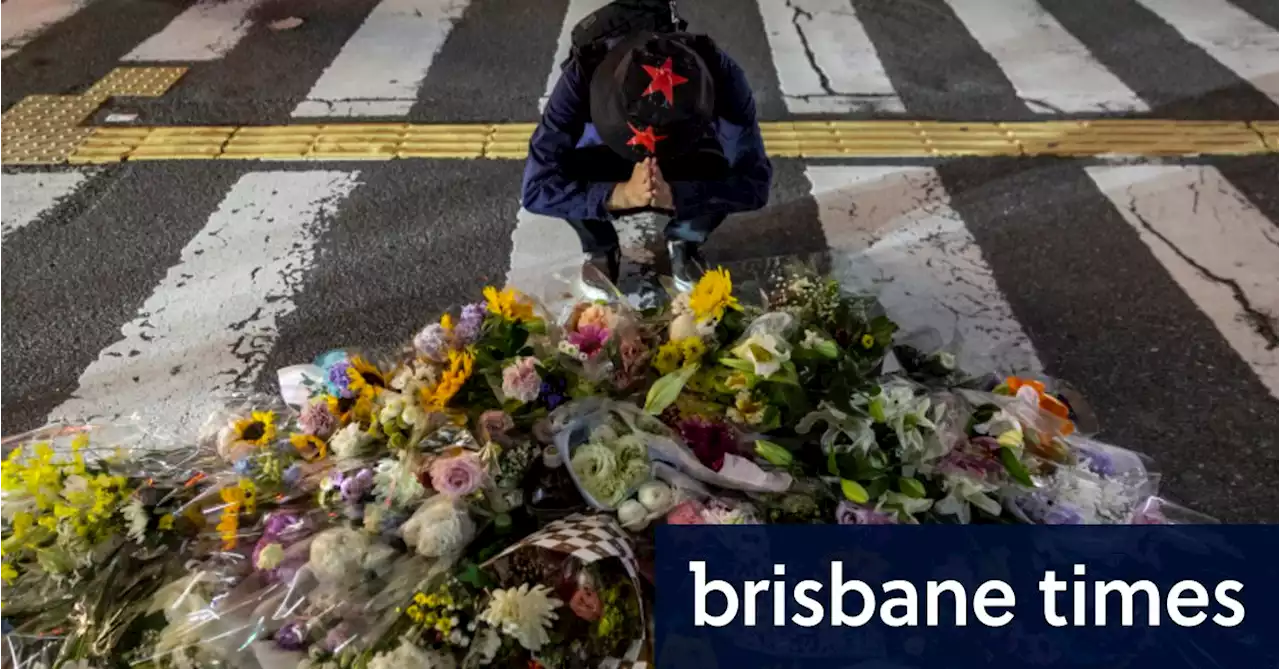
(939, 596)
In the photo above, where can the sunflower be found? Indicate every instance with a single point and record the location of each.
(309, 446)
(365, 377)
(435, 397)
(259, 429)
(712, 295)
(508, 304)
(341, 407)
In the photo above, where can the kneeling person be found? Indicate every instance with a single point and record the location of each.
(652, 122)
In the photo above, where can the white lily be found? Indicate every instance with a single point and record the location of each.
(765, 351)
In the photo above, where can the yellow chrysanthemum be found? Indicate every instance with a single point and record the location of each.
(693, 349)
(509, 304)
(364, 378)
(309, 446)
(668, 358)
(446, 322)
(259, 429)
(7, 573)
(712, 295)
(436, 397)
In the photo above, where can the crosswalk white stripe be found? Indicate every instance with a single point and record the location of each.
(208, 326)
(1051, 70)
(380, 69)
(1228, 34)
(23, 20)
(540, 245)
(825, 60)
(577, 10)
(28, 195)
(1217, 246)
(892, 232)
(205, 31)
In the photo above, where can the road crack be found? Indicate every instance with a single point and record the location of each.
(1257, 320)
(823, 80)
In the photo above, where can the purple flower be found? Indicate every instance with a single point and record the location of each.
(433, 342)
(552, 392)
(354, 488)
(339, 382)
(469, 323)
(1099, 462)
(292, 636)
(281, 523)
(848, 513)
(292, 475)
(317, 420)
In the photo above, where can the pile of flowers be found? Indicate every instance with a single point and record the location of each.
(384, 510)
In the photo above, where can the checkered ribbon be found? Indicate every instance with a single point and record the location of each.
(591, 539)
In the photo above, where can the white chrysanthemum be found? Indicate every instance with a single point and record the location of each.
(337, 553)
(439, 528)
(349, 442)
(409, 655)
(135, 517)
(485, 647)
(524, 614)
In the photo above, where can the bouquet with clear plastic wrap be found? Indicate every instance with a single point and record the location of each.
(95, 520)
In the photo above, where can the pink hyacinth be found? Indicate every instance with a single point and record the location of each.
(316, 420)
(589, 339)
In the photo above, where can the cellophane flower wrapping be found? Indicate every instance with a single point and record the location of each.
(584, 568)
(95, 519)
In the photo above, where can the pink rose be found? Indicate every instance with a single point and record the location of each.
(494, 424)
(458, 475)
(686, 513)
(585, 603)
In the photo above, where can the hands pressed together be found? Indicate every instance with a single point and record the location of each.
(646, 188)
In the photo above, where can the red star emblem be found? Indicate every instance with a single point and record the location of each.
(645, 138)
(663, 80)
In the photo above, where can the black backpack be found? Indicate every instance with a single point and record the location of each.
(618, 19)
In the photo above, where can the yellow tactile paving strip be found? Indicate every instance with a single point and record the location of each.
(46, 129)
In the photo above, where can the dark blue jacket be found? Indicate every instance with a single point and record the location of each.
(566, 125)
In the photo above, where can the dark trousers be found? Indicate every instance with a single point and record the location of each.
(600, 163)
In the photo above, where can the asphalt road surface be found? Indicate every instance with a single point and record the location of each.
(155, 289)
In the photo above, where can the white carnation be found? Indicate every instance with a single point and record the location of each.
(337, 553)
(438, 528)
(349, 442)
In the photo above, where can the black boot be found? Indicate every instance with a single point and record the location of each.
(687, 264)
(608, 263)
(599, 268)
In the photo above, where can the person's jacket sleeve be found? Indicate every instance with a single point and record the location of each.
(546, 189)
(747, 186)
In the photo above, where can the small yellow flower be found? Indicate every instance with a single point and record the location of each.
(166, 522)
(414, 613)
(712, 295)
(309, 446)
(508, 304)
(259, 429)
(693, 350)
(446, 322)
(420, 598)
(668, 358)
(7, 573)
(868, 341)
